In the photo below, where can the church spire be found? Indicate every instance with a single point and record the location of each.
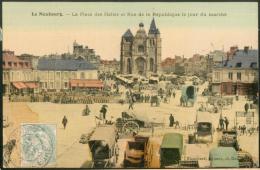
(128, 36)
(153, 29)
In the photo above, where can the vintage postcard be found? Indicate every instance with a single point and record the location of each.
(130, 85)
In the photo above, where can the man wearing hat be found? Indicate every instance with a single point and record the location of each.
(171, 118)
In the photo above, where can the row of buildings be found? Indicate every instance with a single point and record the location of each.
(229, 73)
(237, 74)
(197, 65)
(21, 74)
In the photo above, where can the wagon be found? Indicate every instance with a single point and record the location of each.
(188, 94)
(102, 144)
(171, 150)
(223, 157)
(130, 123)
(204, 126)
(229, 139)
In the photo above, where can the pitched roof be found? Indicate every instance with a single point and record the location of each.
(128, 33)
(153, 29)
(128, 36)
(242, 59)
(64, 64)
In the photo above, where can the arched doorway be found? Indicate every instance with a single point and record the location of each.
(129, 67)
(140, 65)
(151, 64)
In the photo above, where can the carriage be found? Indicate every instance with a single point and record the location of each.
(223, 157)
(171, 150)
(204, 126)
(130, 123)
(103, 147)
(188, 95)
(229, 139)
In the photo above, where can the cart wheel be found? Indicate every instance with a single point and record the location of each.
(130, 127)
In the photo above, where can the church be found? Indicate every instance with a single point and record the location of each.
(141, 54)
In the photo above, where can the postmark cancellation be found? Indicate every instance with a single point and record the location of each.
(38, 145)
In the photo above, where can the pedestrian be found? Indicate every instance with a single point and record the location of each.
(103, 111)
(86, 111)
(221, 123)
(226, 123)
(246, 107)
(64, 122)
(173, 94)
(171, 118)
(131, 103)
(244, 129)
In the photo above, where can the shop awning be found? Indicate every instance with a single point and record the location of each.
(19, 85)
(31, 85)
(24, 85)
(86, 83)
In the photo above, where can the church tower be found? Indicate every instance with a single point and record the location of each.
(126, 53)
(141, 54)
(154, 48)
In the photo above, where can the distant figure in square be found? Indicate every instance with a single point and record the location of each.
(131, 103)
(226, 123)
(103, 111)
(246, 107)
(221, 123)
(64, 122)
(86, 111)
(171, 118)
(173, 94)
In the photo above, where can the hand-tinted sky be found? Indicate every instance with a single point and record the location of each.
(41, 35)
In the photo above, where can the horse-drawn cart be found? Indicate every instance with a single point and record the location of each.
(130, 123)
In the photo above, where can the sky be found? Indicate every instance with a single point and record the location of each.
(181, 35)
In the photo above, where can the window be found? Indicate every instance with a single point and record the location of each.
(238, 64)
(3, 63)
(140, 48)
(51, 84)
(66, 84)
(15, 64)
(51, 75)
(239, 76)
(230, 76)
(21, 64)
(66, 75)
(57, 76)
(217, 76)
(82, 75)
(253, 65)
(90, 75)
(10, 64)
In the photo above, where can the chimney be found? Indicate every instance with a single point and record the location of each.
(246, 48)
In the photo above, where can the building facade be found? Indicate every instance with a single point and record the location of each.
(141, 54)
(168, 65)
(238, 75)
(109, 66)
(17, 74)
(56, 74)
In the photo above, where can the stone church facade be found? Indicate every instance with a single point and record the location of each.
(141, 54)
